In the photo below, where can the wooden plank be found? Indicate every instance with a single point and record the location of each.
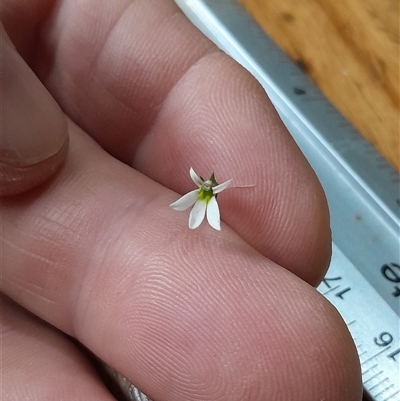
(350, 48)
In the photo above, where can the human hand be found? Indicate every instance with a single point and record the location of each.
(97, 253)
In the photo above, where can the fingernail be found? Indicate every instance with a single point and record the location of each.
(34, 127)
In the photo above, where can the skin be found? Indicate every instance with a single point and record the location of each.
(106, 106)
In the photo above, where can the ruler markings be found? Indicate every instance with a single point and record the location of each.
(361, 354)
(374, 356)
(392, 395)
(330, 290)
(374, 376)
(384, 391)
(378, 384)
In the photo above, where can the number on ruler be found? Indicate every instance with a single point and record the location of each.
(326, 280)
(391, 272)
(383, 340)
(341, 292)
(394, 353)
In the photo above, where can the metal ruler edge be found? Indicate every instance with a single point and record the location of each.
(362, 190)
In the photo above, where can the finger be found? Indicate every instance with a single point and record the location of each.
(158, 95)
(282, 210)
(34, 138)
(185, 315)
(38, 363)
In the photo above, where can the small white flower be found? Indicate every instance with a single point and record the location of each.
(204, 200)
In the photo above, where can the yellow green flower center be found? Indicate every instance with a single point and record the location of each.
(206, 190)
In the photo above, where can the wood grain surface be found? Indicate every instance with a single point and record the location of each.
(350, 48)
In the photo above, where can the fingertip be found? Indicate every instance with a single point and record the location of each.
(34, 139)
(336, 372)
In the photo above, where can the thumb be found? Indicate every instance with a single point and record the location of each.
(34, 134)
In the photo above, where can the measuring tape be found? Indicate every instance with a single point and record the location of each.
(363, 280)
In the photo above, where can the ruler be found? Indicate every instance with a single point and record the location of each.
(363, 280)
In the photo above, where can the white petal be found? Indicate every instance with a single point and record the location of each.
(197, 214)
(185, 201)
(213, 214)
(195, 178)
(219, 188)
